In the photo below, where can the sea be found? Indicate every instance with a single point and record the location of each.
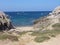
(25, 18)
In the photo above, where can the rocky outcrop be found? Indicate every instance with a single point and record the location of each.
(48, 21)
(5, 22)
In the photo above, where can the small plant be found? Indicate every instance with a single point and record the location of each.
(56, 25)
(53, 35)
(3, 36)
(22, 33)
(41, 39)
(45, 35)
(10, 37)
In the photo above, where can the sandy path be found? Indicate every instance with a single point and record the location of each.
(26, 28)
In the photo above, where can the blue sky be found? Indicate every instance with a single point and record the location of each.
(28, 5)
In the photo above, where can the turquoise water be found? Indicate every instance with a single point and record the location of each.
(26, 18)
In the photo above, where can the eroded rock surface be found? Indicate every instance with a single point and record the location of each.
(48, 21)
(5, 22)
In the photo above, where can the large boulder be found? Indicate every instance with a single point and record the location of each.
(5, 22)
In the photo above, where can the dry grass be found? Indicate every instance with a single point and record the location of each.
(10, 37)
(41, 36)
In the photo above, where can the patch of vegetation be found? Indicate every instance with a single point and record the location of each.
(22, 33)
(44, 35)
(13, 38)
(3, 36)
(10, 37)
(47, 19)
(41, 39)
(56, 25)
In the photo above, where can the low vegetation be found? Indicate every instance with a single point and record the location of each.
(10, 37)
(41, 36)
(22, 33)
(56, 25)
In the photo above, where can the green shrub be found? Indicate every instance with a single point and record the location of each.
(41, 39)
(56, 25)
(44, 35)
(22, 33)
(10, 37)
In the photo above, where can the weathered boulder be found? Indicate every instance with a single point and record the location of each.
(5, 22)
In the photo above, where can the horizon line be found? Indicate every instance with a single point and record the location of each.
(24, 11)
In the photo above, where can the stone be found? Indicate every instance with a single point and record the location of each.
(5, 22)
(48, 21)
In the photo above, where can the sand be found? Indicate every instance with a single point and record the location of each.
(25, 28)
(27, 39)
